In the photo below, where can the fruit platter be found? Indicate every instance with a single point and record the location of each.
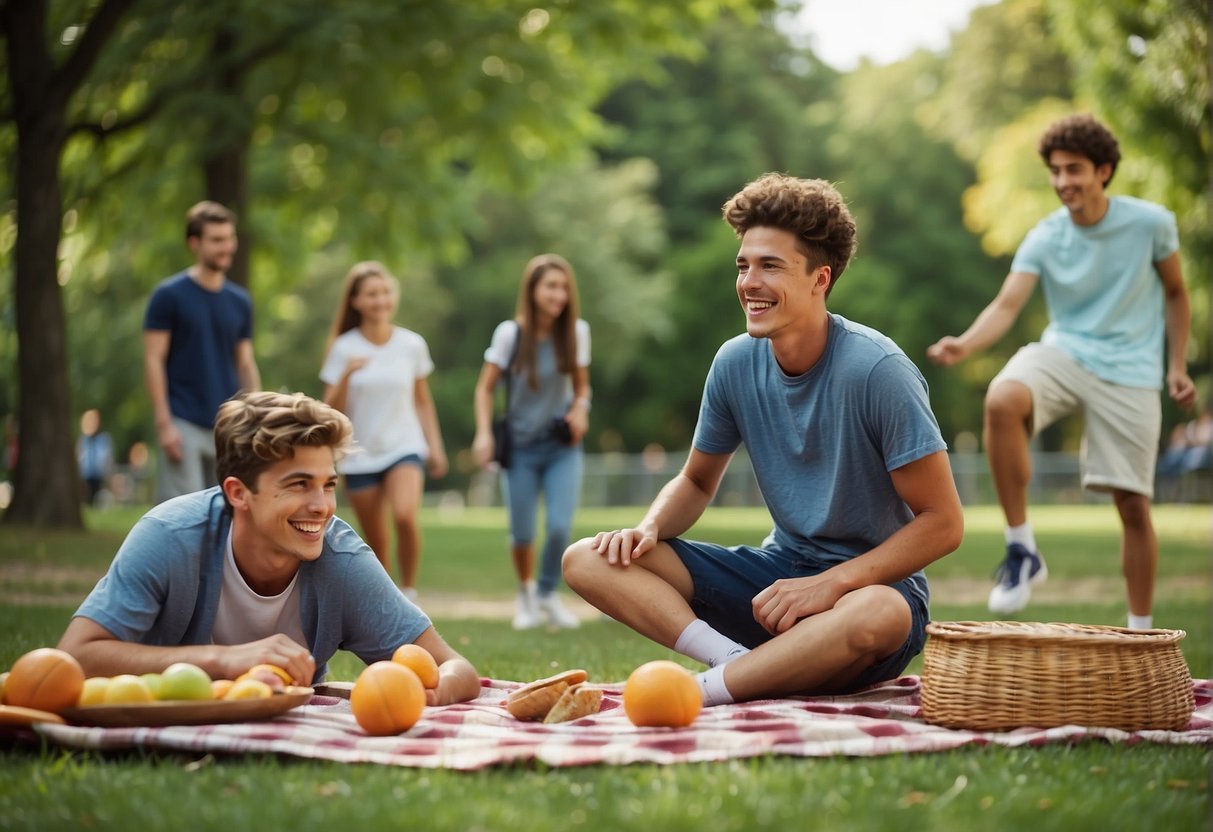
(48, 685)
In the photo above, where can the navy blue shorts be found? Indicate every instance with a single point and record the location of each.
(727, 578)
(358, 482)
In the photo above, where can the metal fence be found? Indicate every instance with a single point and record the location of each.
(634, 479)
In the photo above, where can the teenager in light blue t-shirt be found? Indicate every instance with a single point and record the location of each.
(850, 462)
(1110, 271)
(257, 570)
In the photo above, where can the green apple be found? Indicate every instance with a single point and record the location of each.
(184, 681)
(153, 683)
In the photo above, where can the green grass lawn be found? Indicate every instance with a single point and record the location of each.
(1088, 786)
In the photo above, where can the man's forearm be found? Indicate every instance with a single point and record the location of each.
(107, 657)
(1178, 316)
(676, 508)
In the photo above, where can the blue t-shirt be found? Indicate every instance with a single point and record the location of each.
(163, 586)
(1103, 292)
(204, 328)
(823, 443)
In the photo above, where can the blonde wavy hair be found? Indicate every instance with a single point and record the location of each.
(258, 429)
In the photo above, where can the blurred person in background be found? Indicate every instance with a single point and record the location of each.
(377, 374)
(544, 353)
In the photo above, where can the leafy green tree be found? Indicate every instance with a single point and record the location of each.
(1005, 61)
(710, 126)
(359, 122)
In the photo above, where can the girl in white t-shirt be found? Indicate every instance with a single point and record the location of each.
(375, 372)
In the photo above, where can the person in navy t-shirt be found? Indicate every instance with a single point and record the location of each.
(198, 351)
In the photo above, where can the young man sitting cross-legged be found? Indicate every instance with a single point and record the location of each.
(849, 460)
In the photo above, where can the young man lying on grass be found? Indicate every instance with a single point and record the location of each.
(258, 569)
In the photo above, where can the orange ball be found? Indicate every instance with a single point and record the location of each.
(417, 659)
(662, 694)
(46, 679)
(387, 699)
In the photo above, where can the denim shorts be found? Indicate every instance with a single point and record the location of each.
(726, 579)
(358, 482)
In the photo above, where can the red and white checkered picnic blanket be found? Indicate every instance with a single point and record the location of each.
(480, 733)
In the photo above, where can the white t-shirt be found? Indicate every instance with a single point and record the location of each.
(380, 402)
(244, 616)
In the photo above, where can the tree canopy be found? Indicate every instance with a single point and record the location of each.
(453, 141)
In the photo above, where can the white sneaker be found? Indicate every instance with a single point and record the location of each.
(409, 592)
(526, 610)
(1015, 576)
(556, 613)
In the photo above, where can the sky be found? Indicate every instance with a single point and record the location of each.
(841, 32)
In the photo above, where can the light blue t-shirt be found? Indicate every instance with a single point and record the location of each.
(823, 443)
(163, 586)
(1104, 295)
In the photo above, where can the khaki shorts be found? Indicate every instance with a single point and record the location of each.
(1122, 425)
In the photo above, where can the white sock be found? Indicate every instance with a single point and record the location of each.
(1141, 622)
(1023, 536)
(701, 642)
(711, 685)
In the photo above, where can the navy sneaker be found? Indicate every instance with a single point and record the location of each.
(1015, 577)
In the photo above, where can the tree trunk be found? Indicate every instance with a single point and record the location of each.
(226, 167)
(227, 183)
(46, 491)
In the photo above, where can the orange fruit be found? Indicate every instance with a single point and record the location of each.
(662, 694)
(274, 676)
(45, 679)
(387, 699)
(417, 659)
(219, 687)
(248, 689)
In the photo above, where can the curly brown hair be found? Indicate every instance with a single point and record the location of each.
(810, 209)
(1084, 135)
(255, 430)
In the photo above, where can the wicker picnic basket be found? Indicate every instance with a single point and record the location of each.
(996, 675)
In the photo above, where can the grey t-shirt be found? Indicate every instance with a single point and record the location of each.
(823, 443)
(164, 584)
(532, 410)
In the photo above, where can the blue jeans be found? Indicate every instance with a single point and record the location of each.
(556, 469)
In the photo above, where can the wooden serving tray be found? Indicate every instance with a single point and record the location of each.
(203, 712)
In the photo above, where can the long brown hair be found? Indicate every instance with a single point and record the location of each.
(564, 330)
(347, 316)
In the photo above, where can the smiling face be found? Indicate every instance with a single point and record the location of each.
(282, 523)
(550, 296)
(375, 299)
(215, 247)
(1079, 184)
(779, 294)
